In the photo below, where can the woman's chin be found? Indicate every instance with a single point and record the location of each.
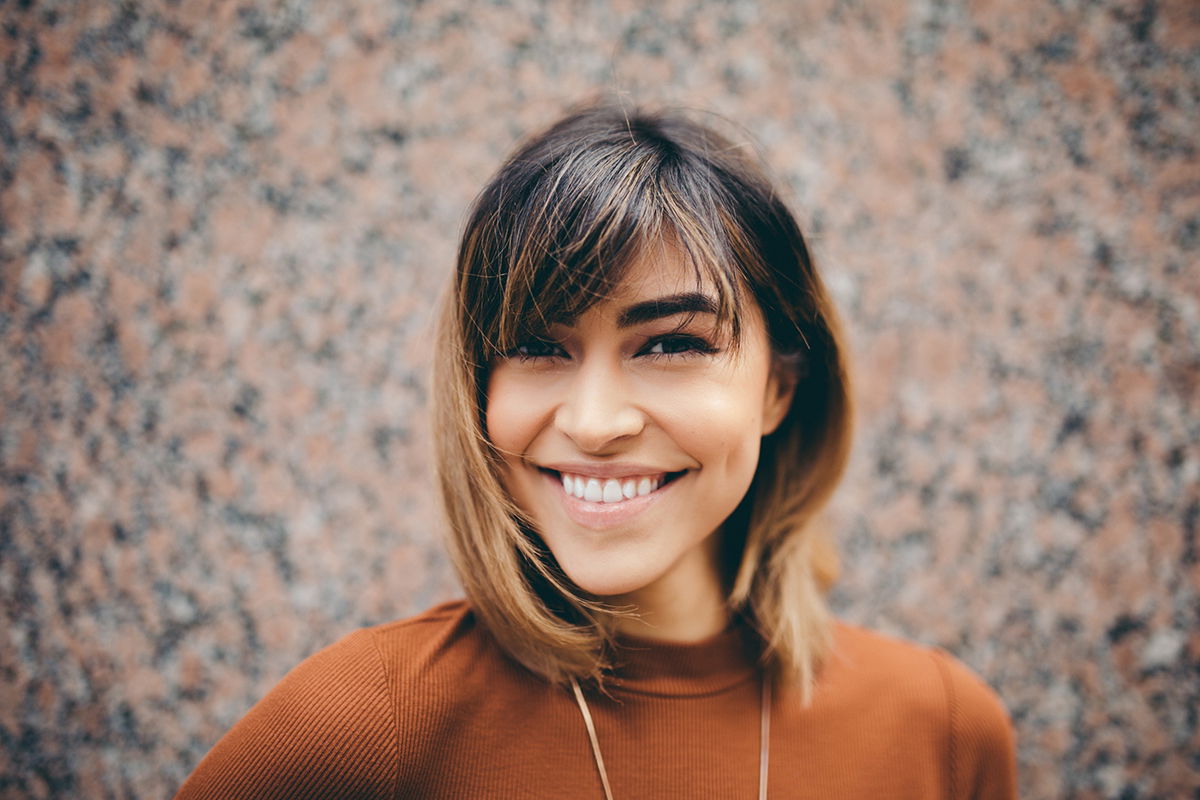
(615, 584)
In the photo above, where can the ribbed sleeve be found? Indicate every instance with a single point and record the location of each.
(982, 757)
(328, 730)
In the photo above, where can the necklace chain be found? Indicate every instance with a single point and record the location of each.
(764, 738)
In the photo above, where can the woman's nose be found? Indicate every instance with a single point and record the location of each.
(598, 409)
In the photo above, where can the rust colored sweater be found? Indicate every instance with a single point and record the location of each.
(429, 707)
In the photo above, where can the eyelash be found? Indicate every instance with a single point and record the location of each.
(692, 345)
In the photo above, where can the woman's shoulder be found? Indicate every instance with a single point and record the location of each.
(373, 657)
(924, 693)
(451, 622)
(443, 645)
(865, 659)
(333, 714)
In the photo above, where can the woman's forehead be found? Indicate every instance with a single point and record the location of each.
(652, 286)
(660, 272)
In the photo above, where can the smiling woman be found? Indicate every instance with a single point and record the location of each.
(641, 403)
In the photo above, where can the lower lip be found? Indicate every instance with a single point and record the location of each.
(604, 516)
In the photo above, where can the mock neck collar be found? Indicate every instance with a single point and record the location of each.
(672, 669)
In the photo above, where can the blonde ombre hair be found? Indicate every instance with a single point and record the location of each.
(551, 234)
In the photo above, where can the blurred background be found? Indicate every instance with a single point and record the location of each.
(225, 225)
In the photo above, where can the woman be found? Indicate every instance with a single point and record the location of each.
(641, 402)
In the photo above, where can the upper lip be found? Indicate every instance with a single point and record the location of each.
(614, 470)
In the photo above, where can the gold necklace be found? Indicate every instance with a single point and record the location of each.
(764, 738)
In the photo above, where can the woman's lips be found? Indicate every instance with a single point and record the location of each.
(602, 515)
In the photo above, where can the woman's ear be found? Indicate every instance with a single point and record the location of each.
(781, 387)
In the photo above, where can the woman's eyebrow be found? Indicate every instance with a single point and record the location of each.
(666, 306)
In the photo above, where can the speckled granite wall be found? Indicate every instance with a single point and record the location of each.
(224, 226)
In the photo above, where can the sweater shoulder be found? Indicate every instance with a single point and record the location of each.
(982, 733)
(929, 679)
(427, 628)
(931, 694)
(326, 729)
(332, 726)
(440, 645)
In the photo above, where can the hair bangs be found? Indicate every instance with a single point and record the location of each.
(698, 230)
(588, 218)
(573, 254)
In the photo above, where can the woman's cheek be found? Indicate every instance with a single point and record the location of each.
(509, 418)
(710, 417)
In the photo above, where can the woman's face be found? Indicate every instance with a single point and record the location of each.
(631, 433)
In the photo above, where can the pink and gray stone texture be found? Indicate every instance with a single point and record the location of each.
(224, 227)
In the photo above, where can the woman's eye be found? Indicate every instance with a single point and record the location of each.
(678, 345)
(536, 348)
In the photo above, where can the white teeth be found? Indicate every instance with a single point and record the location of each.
(611, 490)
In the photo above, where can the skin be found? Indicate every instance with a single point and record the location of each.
(598, 392)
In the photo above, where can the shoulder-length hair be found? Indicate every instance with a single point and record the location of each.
(550, 235)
